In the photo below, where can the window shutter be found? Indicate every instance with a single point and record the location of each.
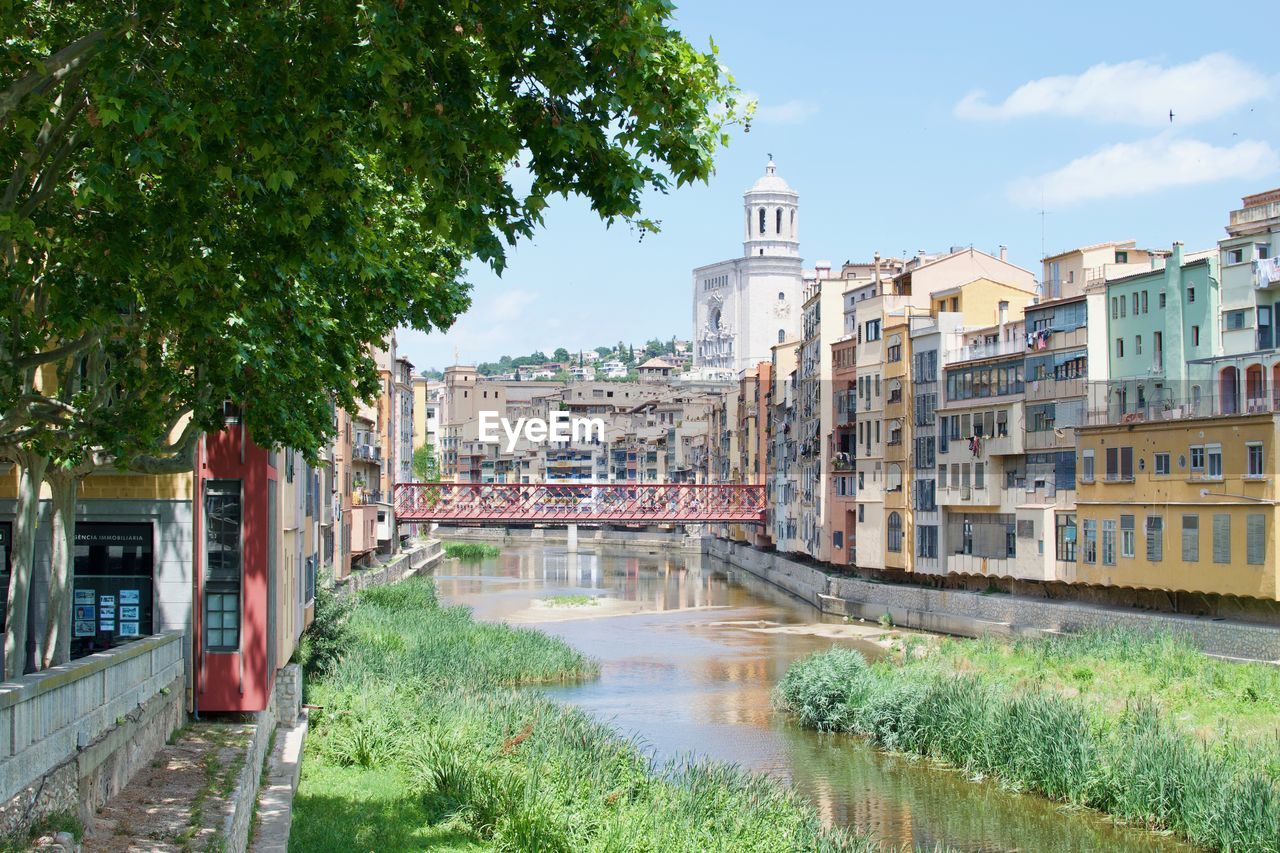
(1221, 537)
(1257, 536)
(1155, 538)
(1190, 538)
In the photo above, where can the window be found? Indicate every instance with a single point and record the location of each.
(1253, 455)
(1137, 347)
(1263, 251)
(1195, 336)
(1066, 538)
(1190, 538)
(1256, 534)
(1119, 464)
(1123, 307)
(1213, 460)
(1155, 538)
(1090, 540)
(1235, 320)
(862, 509)
(1127, 536)
(1119, 347)
(1162, 464)
(1162, 299)
(837, 539)
(1109, 543)
(1235, 256)
(1222, 538)
(893, 353)
(782, 335)
(895, 532)
(1191, 294)
(1197, 460)
(979, 475)
(1086, 466)
(222, 522)
(782, 297)
(1144, 302)
(1115, 308)
(1135, 303)
(778, 222)
(1122, 257)
(873, 331)
(927, 541)
(762, 220)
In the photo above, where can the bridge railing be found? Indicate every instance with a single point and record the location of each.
(579, 502)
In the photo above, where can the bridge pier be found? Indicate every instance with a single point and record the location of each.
(573, 539)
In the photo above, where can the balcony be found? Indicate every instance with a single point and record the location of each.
(366, 453)
(842, 462)
(970, 352)
(968, 496)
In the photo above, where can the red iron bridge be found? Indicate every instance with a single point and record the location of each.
(579, 502)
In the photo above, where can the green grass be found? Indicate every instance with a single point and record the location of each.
(1143, 727)
(570, 600)
(49, 825)
(422, 743)
(471, 550)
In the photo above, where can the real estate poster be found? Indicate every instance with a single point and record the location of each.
(128, 611)
(84, 596)
(107, 626)
(128, 629)
(85, 628)
(129, 596)
(84, 611)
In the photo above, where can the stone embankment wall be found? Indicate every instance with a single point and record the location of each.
(973, 614)
(73, 736)
(422, 556)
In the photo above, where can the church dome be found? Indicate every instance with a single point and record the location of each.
(769, 182)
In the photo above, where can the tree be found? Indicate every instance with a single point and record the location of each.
(426, 465)
(210, 203)
(603, 351)
(561, 355)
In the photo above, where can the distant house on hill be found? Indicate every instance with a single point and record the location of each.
(656, 369)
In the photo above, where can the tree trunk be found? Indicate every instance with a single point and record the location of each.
(31, 468)
(64, 486)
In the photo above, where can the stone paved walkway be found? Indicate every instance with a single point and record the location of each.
(181, 801)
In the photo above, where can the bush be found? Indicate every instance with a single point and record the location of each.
(327, 637)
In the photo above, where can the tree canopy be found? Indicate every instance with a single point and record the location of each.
(262, 191)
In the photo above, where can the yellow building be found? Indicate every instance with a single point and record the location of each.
(1185, 505)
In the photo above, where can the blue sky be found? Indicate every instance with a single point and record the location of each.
(907, 128)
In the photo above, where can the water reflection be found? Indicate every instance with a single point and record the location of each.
(691, 668)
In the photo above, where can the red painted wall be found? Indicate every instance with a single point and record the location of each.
(236, 681)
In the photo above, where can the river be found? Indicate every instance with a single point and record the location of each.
(690, 650)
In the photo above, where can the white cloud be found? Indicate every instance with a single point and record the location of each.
(1135, 168)
(795, 111)
(1137, 92)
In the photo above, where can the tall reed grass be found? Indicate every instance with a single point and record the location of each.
(471, 551)
(1135, 760)
(426, 692)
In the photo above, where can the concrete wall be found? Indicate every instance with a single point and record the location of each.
(587, 536)
(404, 564)
(72, 736)
(972, 614)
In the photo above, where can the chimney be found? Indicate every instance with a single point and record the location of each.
(1004, 253)
(1003, 315)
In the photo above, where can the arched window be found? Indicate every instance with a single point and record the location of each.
(793, 224)
(895, 532)
(715, 320)
(782, 297)
(762, 220)
(782, 335)
(1229, 390)
(778, 222)
(893, 479)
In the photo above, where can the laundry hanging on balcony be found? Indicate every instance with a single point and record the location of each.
(975, 445)
(1268, 271)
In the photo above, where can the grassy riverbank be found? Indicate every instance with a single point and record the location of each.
(1145, 728)
(421, 744)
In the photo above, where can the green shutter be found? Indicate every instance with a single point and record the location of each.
(1155, 538)
(1221, 537)
(1190, 538)
(1256, 527)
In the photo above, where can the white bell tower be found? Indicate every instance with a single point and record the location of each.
(772, 217)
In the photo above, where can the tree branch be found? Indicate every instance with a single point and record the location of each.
(53, 69)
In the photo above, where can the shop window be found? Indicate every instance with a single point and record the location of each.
(113, 585)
